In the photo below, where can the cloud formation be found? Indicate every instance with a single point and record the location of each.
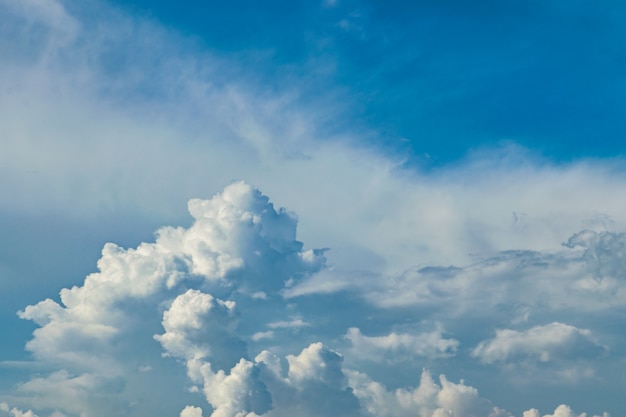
(238, 242)
(429, 399)
(120, 115)
(539, 343)
(240, 245)
(561, 411)
(585, 275)
(401, 346)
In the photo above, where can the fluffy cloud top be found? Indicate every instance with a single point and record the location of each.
(238, 242)
(427, 400)
(561, 411)
(191, 411)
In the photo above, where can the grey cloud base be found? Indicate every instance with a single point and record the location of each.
(203, 293)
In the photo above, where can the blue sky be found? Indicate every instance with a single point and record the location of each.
(313, 208)
(444, 76)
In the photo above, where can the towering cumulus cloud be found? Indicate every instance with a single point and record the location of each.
(238, 246)
(195, 301)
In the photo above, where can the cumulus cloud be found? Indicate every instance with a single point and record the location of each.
(237, 242)
(191, 411)
(429, 399)
(539, 343)
(561, 411)
(198, 331)
(196, 324)
(5, 410)
(203, 282)
(238, 393)
(315, 384)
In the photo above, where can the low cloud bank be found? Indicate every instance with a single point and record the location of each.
(192, 292)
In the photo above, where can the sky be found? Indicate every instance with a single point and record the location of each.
(317, 208)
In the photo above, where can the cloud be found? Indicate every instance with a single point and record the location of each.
(60, 27)
(605, 258)
(202, 282)
(262, 335)
(193, 319)
(401, 346)
(315, 384)
(14, 412)
(292, 324)
(199, 331)
(191, 411)
(584, 276)
(238, 393)
(427, 400)
(103, 112)
(162, 124)
(561, 411)
(85, 394)
(237, 242)
(316, 363)
(540, 343)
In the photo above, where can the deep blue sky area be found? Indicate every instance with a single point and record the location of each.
(439, 77)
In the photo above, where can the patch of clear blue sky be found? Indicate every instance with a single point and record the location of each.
(439, 77)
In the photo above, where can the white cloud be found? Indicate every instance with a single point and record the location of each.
(237, 246)
(199, 330)
(427, 400)
(237, 241)
(196, 324)
(401, 346)
(191, 411)
(108, 113)
(291, 324)
(5, 410)
(236, 394)
(18, 413)
(561, 411)
(328, 281)
(315, 384)
(584, 276)
(262, 335)
(540, 343)
(194, 129)
(84, 394)
(316, 363)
